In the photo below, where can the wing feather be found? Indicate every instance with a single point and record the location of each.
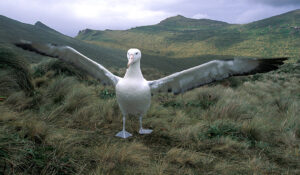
(72, 56)
(212, 71)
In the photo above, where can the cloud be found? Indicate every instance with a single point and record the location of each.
(200, 16)
(71, 16)
(260, 12)
(278, 2)
(252, 14)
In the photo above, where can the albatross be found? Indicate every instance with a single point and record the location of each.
(133, 91)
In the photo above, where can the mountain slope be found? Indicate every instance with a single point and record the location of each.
(183, 37)
(12, 31)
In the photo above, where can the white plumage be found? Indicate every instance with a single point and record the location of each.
(134, 92)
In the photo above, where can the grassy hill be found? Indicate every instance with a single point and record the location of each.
(56, 120)
(183, 37)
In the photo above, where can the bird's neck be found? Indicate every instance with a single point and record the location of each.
(134, 71)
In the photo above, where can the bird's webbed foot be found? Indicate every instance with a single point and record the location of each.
(123, 134)
(145, 131)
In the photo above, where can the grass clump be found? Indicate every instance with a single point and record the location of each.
(121, 159)
(57, 67)
(59, 89)
(23, 152)
(17, 75)
(218, 130)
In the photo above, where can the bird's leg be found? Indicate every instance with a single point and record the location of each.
(142, 130)
(123, 134)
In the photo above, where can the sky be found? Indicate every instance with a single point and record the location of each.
(70, 16)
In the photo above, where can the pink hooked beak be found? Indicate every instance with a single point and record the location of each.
(130, 60)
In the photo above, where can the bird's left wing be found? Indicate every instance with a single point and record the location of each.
(214, 70)
(72, 56)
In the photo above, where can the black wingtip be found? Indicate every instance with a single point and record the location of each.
(266, 65)
(27, 45)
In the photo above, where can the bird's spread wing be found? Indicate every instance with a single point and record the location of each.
(72, 56)
(211, 71)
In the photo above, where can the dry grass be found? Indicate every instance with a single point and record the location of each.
(68, 127)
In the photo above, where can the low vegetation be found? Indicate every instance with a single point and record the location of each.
(67, 123)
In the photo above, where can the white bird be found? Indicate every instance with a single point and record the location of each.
(133, 92)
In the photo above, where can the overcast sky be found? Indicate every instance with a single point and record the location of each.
(70, 16)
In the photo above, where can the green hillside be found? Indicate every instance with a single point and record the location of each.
(183, 37)
(12, 31)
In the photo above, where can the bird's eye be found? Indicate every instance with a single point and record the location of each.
(136, 53)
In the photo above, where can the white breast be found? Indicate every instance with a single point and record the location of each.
(133, 96)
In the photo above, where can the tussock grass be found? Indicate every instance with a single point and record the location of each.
(58, 67)
(68, 125)
(121, 159)
(40, 81)
(186, 158)
(31, 129)
(17, 76)
(59, 89)
(19, 101)
(8, 85)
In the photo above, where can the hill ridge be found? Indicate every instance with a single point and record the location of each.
(45, 27)
(181, 20)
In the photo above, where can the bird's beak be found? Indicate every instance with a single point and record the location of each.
(130, 60)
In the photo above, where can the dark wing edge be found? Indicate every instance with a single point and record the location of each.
(267, 65)
(27, 45)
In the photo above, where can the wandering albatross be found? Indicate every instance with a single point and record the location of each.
(133, 92)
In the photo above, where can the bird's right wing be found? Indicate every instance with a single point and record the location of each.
(72, 56)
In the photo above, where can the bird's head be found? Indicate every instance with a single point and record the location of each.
(133, 56)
